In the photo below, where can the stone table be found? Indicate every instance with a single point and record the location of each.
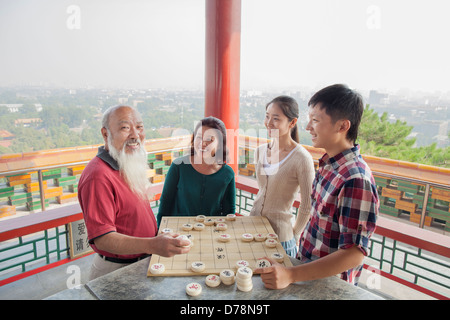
(132, 283)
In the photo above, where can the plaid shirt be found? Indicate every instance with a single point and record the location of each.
(344, 209)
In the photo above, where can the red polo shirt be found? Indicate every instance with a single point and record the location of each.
(109, 205)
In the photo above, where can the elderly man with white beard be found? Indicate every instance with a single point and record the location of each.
(113, 195)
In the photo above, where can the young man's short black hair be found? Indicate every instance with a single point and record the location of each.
(340, 102)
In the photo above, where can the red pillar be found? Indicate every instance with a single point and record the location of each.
(222, 69)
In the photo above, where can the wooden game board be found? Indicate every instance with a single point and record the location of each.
(215, 254)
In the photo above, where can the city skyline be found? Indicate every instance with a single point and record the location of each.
(369, 45)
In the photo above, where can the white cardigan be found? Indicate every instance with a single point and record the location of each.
(277, 192)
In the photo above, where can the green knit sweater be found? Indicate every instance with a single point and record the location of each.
(187, 192)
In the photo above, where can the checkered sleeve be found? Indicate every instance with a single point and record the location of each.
(358, 206)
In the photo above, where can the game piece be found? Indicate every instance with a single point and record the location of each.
(198, 266)
(259, 237)
(224, 237)
(231, 217)
(200, 218)
(244, 287)
(262, 263)
(244, 279)
(219, 220)
(199, 226)
(244, 272)
(272, 236)
(242, 263)
(278, 257)
(227, 276)
(193, 289)
(187, 227)
(247, 237)
(157, 268)
(271, 243)
(221, 226)
(212, 280)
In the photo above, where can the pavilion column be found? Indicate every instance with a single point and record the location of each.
(222, 69)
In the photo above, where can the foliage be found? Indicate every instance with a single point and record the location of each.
(381, 138)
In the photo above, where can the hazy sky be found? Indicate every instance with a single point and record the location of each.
(368, 44)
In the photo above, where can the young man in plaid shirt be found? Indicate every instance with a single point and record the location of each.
(344, 196)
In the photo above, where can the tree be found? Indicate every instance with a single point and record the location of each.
(381, 138)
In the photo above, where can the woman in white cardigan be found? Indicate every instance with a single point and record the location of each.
(283, 168)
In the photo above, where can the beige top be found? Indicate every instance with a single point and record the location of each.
(277, 192)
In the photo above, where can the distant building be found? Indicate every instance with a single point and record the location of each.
(12, 107)
(27, 122)
(6, 138)
(6, 135)
(15, 107)
(377, 98)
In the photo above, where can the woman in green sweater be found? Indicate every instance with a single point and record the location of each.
(202, 182)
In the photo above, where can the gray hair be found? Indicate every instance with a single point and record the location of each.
(109, 111)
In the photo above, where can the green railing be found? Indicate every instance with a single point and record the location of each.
(410, 263)
(32, 251)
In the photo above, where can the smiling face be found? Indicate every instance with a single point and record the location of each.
(277, 123)
(126, 129)
(206, 141)
(326, 133)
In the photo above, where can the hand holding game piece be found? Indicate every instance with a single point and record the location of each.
(186, 239)
(262, 263)
(168, 245)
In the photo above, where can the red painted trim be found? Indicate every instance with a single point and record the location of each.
(424, 243)
(26, 274)
(407, 283)
(11, 234)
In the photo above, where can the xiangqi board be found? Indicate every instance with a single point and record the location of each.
(209, 249)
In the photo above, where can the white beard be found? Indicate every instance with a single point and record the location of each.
(133, 168)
